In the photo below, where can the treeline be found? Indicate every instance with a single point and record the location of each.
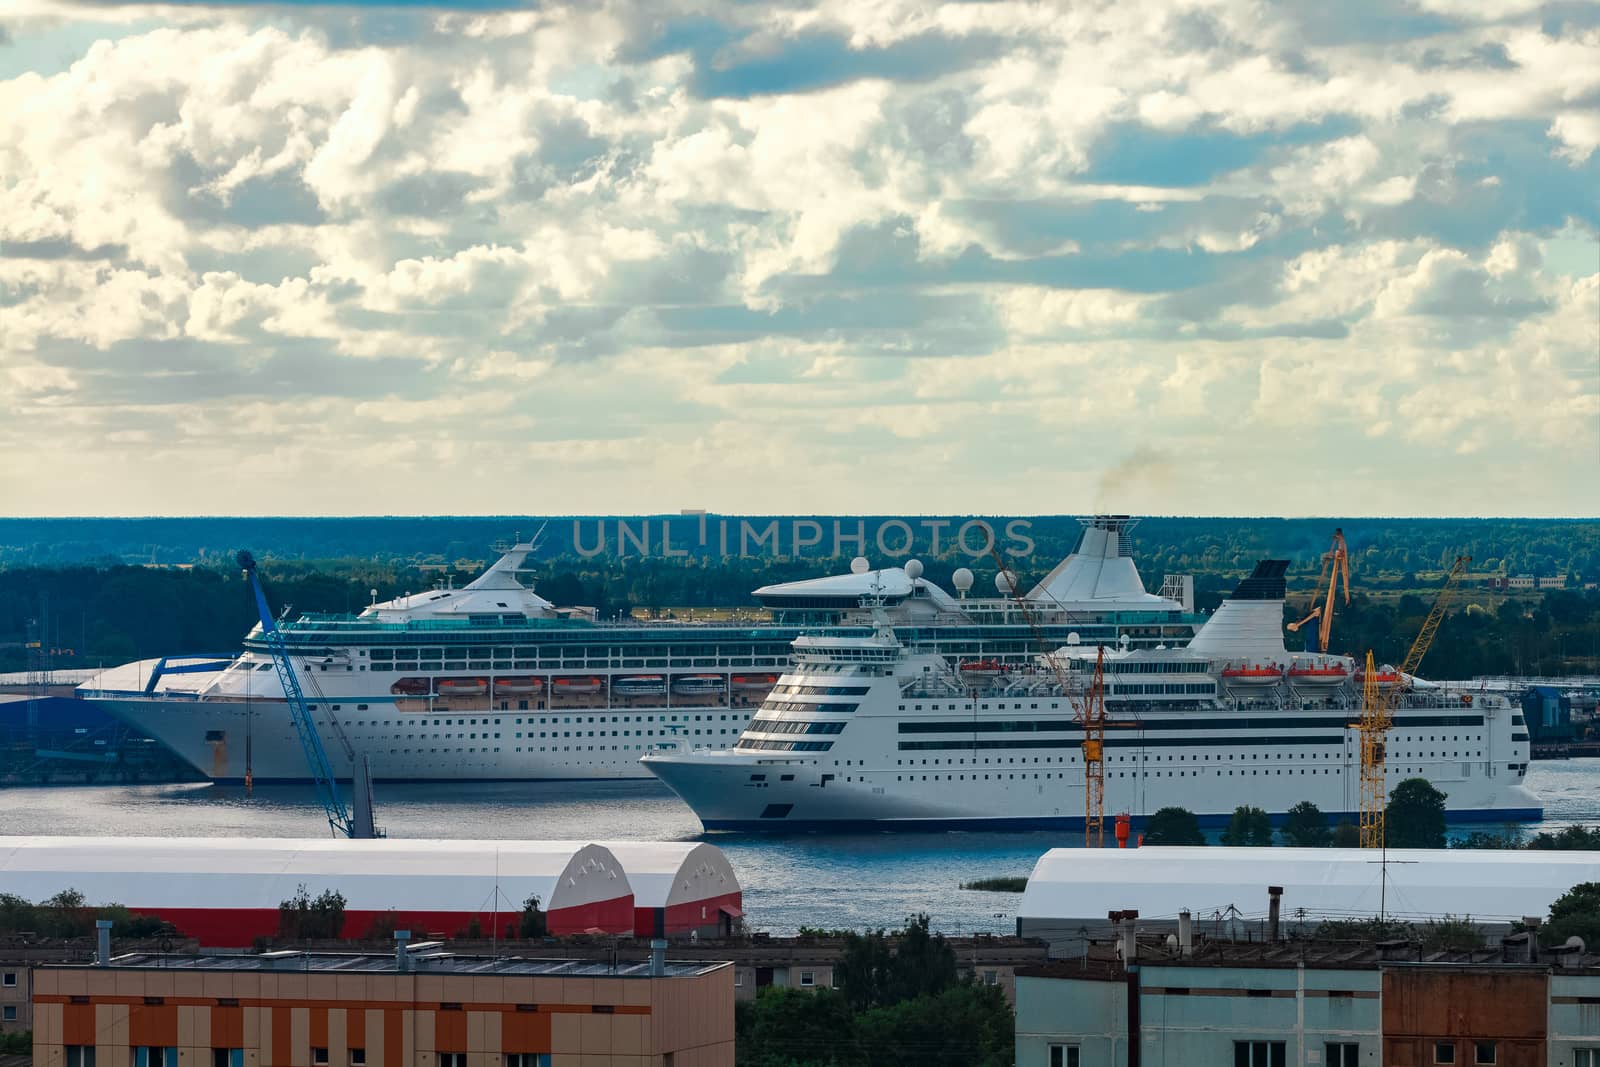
(107, 615)
(1381, 548)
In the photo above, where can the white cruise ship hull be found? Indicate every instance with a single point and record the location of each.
(227, 738)
(733, 792)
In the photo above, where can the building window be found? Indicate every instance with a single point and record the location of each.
(9, 979)
(1581, 1057)
(452, 1059)
(808, 979)
(10, 1014)
(227, 1057)
(1260, 1054)
(80, 1056)
(1064, 1056)
(1444, 1052)
(527, 1059)
(319, 1056)
(1343, 1054)
(1484, 1052)
(358, 1057)
(154, 1056)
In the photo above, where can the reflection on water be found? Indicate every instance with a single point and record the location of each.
(854, 880)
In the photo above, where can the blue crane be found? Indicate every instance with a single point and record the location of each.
(339, 817)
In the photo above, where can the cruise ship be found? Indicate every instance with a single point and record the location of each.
(490, 681)
(875, 732)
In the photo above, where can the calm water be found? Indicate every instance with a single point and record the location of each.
(855, 880)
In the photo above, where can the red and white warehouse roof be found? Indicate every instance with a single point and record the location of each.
(226, 891)
(665, 874)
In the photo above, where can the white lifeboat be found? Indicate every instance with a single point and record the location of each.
(698, 684)
(639, 685)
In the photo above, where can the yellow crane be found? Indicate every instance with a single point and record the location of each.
(1091, 712)
(1335, 566)
(1380, 696)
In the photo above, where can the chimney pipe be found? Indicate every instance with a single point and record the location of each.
(658, 957)
(1275, 893)
(1185, 934)
(1127, 938)
(102, 952)
(1532, 922)
(402, 955)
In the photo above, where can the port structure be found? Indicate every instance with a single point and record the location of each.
(1335, 565)
(1378, 702)
(1090, 711)
(340, 819)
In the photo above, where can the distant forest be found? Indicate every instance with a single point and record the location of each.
(92, 585)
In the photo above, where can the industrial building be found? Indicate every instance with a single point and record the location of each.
(1072, 891)
(226, 893)
(1283, 1003)
(680, 889)
(415, 1008)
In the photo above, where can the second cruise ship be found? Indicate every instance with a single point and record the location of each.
(874, 732)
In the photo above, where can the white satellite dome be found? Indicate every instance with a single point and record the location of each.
(913, 569)
(962, 580)
(1004, 582)
(1123, 640)
(1073, 638)
(860, 565)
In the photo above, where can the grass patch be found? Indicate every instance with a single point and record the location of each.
(1009, 884)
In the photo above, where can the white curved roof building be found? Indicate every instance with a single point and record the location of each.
(1074, 888)
(680, 887)
(225, 891)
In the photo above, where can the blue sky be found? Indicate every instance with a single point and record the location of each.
(1200, 257)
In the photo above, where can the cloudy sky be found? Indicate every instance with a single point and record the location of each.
(1201, 257)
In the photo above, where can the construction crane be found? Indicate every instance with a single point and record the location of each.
(1377, 709)
(1090, 712)
(340, 819)
(1335, 565)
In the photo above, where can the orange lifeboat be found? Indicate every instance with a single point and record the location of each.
(583, 684)
(982, 668)
(462, 687)
(518, 686)
(1383, 679)
(1247, 675)
(754, 681)
(1321, 675)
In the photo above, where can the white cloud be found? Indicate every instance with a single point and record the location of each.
(450, 251)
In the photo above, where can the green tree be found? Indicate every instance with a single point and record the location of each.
(1568, 837)
(306, 918)
(968, 1023)
(1577, 911)
(1173, 826)
(1415, 815)
(1346, 835)
(1249, 826)
(788, 1027)
(1306, 827)
(875, 972)
(532, 923)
